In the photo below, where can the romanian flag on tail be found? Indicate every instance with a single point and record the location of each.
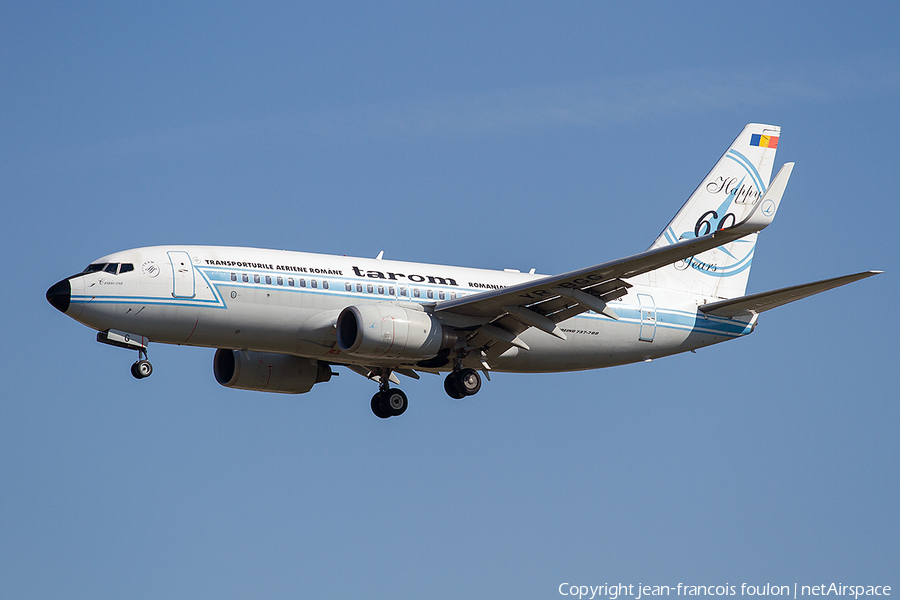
(764, 141)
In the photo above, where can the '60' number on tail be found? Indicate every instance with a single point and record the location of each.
(709, 219)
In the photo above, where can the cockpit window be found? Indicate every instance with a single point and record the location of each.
(112, 268)
(94, 268)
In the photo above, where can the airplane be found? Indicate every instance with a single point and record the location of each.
(282, 321)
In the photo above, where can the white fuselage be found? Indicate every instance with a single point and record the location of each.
(287, 302)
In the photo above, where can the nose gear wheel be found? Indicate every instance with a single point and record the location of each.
(142, 369)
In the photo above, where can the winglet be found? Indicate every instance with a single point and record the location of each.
(763, 212)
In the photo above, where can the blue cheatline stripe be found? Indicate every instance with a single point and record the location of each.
(678, 320)
(748, 166)
(149, 300)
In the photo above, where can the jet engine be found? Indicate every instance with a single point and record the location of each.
(388, 331)
(268, 371)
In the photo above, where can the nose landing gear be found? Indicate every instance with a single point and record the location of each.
(130, 341)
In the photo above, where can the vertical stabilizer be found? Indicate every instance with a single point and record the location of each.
(728, 195)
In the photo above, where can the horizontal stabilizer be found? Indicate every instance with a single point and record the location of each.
(758, 303)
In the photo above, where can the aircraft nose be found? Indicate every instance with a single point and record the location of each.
(59, 295)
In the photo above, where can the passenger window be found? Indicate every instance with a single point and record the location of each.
(430, 294)
(416, 293)
(381, 290)
(279, 281)
(291, 281)
(313, 283)
(369, 288)
(268, 280)
(112, 268)
(244, 277)
(126, 267)
(302, 282)
(348, 286)
(452, 295)
(391, 291)
(325, 285)
(359, 287)
(256, 279)
(441, 295)
(403, 292)
(234, 276)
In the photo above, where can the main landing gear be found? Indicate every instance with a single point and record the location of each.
(388, 402)
(392, 402)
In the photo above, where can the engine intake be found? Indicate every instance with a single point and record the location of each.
(268, 371)
(388, 331)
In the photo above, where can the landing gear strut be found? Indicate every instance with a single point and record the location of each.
(388, 402)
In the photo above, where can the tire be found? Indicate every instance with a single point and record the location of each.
(395, 402)
(379, 407)
(143, 368)
(452, 387)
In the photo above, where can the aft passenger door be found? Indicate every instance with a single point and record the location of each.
(648, 317)
(182, 275)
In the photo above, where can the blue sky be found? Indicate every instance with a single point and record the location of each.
(495, 135)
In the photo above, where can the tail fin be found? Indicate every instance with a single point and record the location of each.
(731, 191)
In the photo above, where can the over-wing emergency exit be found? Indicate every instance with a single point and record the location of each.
(282, 321)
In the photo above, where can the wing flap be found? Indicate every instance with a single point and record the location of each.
(757, 303)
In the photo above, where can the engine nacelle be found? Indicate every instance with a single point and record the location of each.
(388, 331)
(268, 371)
